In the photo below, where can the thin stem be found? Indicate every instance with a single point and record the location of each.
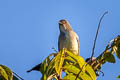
(93, 44)
(97, 34)
(81, 71)
(18, 76)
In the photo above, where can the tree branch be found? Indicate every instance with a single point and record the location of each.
(97, 34)
(18, 76)
(93, 44)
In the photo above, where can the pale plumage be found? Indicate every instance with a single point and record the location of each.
(68, 38)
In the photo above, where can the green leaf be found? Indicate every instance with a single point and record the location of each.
(109, 57)
(68, 58)
(116, 46)
(59, 61)
(118, 51)
(45, 64)
(3, 73)
(70, 77)
(90, 71)
(50, 67)
(73, 69)
(78, 59)
(85, 76)
(118, 77)
(47, 67)
(44, 77)
(8, 71)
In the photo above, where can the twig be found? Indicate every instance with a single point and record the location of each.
(81, 71)
(18, 76)
(97, 34)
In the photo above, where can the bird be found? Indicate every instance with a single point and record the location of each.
(68, 39)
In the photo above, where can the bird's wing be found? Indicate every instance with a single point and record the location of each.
(59, 41)
(77, 38)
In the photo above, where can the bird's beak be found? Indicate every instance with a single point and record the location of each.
(60, 23)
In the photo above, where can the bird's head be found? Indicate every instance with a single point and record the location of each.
(64, 26)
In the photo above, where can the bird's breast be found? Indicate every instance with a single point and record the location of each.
(71, 43)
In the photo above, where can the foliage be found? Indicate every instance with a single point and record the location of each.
(108, 54)
(70, 64)
(75, 67)
(118, 77)
(6, 73)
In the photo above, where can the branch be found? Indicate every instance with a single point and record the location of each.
(94, 43)
(18, 76)
(97, 34)
(81, 71)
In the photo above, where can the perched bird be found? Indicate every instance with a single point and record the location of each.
(68, 39)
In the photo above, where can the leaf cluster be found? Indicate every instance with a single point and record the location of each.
(113, 47)
(67, 62)
(6, 73)
(75, 67)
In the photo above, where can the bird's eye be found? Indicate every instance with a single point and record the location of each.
(64, 22)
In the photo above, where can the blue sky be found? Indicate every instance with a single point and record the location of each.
(29, 30)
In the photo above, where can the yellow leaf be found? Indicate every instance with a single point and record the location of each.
(3, 73)
(91, 72)
(73, 69)
(59, 61)
(78, 59)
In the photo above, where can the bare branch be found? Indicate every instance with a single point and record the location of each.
(94, 43)
(81, 70)
(18, 76)
(97, 34)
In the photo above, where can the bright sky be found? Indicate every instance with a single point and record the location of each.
(29, 30)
